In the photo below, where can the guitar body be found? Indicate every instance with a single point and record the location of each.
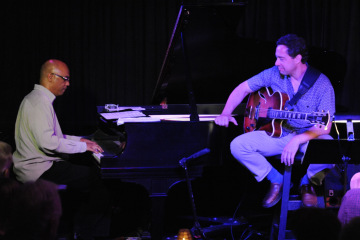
(254, 119)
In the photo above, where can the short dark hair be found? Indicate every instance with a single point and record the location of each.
(296, 45)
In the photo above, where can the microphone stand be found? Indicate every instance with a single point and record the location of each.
(196, 230)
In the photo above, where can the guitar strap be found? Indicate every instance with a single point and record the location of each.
(310, 77)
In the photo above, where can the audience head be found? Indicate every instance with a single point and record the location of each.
(36, 211)
(8, 187)
(350, 203)
(351, 231)
(316, 223)
(355, 181)
(5, 159)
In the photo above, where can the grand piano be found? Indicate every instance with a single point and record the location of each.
(199, 54)
(207, 57)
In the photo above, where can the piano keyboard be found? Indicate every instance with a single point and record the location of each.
(98, 156)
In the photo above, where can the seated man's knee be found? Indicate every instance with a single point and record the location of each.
(238, 146)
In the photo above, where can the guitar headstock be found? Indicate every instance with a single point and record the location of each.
(322, 118)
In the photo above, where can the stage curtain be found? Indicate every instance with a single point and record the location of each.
(115, 48)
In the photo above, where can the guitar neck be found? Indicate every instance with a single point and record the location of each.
(279, 114)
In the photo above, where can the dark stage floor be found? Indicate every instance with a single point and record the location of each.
(220, 202)
(224, 196)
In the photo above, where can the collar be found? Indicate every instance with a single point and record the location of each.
(45, 91)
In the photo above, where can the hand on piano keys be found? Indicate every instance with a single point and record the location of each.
(98, 156)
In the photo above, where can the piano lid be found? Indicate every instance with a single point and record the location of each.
(217, 57)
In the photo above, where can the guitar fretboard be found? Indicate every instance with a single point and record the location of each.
(286, 115)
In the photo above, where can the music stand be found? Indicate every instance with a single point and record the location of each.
(325, 151)
(341, 151)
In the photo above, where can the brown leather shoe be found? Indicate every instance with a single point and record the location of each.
(308, 196)
(273, 196)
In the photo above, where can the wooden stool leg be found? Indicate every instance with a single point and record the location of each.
(284, 202)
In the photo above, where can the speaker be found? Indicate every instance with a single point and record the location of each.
(334, 184)
(333, 187)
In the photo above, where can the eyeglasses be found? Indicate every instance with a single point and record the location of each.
(64, 78)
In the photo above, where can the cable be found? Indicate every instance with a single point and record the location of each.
(234, 215)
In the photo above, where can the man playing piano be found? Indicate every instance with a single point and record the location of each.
(42, 150)
(251, 148)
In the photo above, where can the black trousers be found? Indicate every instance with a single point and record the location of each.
(86, 202)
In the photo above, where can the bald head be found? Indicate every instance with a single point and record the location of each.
(355, 181)
(51, 74)
(50, 66)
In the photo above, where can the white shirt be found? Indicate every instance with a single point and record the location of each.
(38, 136)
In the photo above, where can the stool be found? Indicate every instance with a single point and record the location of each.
(288, 203)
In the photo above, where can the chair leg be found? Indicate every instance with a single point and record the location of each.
(284, 202)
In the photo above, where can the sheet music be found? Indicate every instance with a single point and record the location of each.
(130, 108)
(121, 121)
(124, 114)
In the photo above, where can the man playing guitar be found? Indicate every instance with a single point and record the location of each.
(251, 148)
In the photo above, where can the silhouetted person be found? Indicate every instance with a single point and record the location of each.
(350, 203)
(8, 188)
(5, 159)
(36, 212)
(315, 224)
(351, 231)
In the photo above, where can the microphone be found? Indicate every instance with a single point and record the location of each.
(200, 153)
